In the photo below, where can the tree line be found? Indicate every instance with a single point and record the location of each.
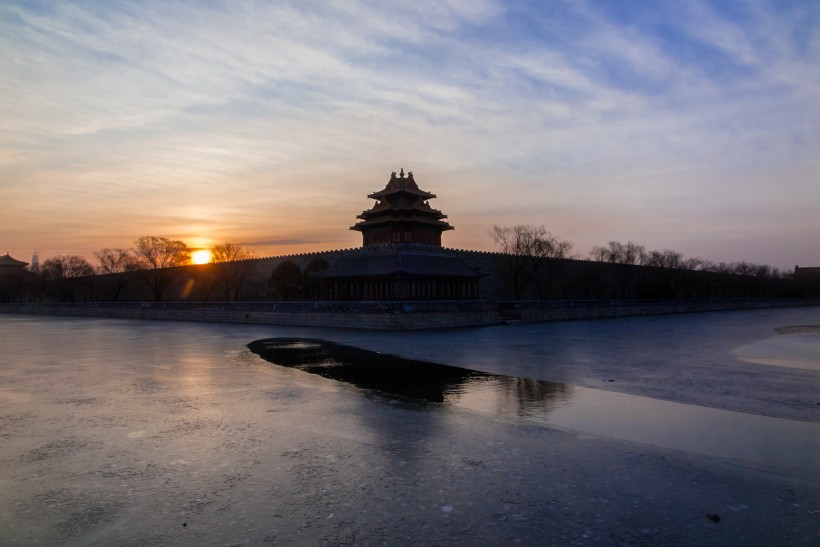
(525, 249)
(528, 265)
(156, 262)
(632, 253)
(152, 260)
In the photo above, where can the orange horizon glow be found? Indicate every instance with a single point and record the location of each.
(281, 164)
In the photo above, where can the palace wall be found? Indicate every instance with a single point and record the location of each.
(556, 279)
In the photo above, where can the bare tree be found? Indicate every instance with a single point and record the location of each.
(232, 264)
(66, 267)
(524, 246)
(664, 259)
(719, 267)
(632, 253)
(744, 268)
(619, 253)
(693, 263)
(777, 273)
(116, 263)
(550, 246)
(61, 271)
(160, 257)
(751, 269)
(112, 261)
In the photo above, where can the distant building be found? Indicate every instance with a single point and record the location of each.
(7, 263)
(401, 256)
(808, 280)
(12, 278)
(806, 273)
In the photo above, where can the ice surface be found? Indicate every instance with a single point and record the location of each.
(786, 445)
(791, 350)
(157, 433)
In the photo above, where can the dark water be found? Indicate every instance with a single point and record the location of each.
(407, 378)
(786, 445)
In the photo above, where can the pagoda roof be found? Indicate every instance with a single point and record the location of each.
(402, 183)
(8, 261)
(387, 206)
(401, 202)
(400, 262)
(375, 221)
(401, 212)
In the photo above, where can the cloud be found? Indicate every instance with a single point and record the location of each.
(276, 242)
(282, 116)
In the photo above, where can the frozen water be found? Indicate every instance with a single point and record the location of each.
(793, 350)
(787, 445)
(157, 433)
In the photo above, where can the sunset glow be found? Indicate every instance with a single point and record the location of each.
(688, 126)
(202, 256)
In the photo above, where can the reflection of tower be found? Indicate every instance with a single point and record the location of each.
(35, 262)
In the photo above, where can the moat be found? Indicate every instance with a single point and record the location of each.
(615, 431)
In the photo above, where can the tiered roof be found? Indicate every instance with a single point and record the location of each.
(402, 202)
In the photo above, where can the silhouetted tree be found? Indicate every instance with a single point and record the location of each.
(60, 273)
(286, 281)
(619, 253)
(524, 247)
(66, 267)
(232, 264)
(744, 268)
(693, 263)
(160, 257)
(664, 259)
(718, 267)
(116, 263)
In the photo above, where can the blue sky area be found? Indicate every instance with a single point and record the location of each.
(690, 126)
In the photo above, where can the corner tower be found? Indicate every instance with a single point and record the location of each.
(402, 214)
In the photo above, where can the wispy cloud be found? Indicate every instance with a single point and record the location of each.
(286, 114)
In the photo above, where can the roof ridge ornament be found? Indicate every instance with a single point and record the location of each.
(401, 214)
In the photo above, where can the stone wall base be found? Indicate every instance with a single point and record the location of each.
(394, 316)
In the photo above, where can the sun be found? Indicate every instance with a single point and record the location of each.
(202, 256)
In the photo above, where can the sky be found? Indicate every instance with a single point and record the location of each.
(690, 126)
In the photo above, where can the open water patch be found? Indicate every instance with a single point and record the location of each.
(784, 446)
(409, 378)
